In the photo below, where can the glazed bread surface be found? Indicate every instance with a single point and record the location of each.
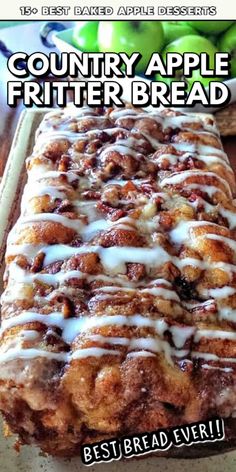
(119, 309)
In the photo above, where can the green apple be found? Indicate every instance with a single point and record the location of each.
(210, 27)
(195, 44)
(144, 37)
(227, 43)
(176, 29)
(85, 36)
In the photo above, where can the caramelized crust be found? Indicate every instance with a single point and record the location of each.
(119, 309)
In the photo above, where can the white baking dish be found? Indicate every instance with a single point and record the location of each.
(30, 459)
(63, 41)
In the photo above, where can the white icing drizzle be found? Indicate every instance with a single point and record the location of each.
(214, 334)
(87, 231)
(140, 354)
(123, 182)
(161, 292)
(212, 357)
(179, 177)
(155, 291)
(53, 174)
(182, 232)
(92, 352)
(208, 208)
(71, 327)
(207, 159)
(219, 292)
(191, 305)
(74, 224)
(180, 334)
(87, 208)
(31, 192)
(17, 274)
(228, 241)
(119, 148)
(180, 121)
(109, 340)
(212, 367)
(210, 190)
(227, 313)
(114, 258)
(154, 346)
(25, 354)
(229, 215)
(200, 148)
(29, 335)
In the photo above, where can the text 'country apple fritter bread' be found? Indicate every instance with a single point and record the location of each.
(119, 310)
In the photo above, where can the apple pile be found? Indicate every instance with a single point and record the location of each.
(147, 37)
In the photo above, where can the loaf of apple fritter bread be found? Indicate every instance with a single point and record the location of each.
(119, 309)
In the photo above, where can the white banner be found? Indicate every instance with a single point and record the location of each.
(116, 9)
